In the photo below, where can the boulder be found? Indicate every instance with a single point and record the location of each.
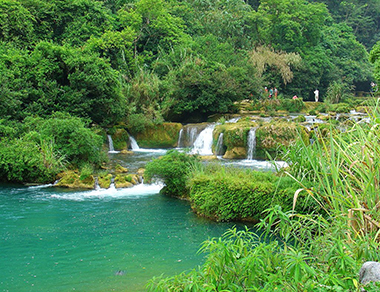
(209, 157)
(164, 135)
(120, 169)
(104, 181)
(120, 139)
(369, 272)
(125, 181)
(236, 153)
(72, 179)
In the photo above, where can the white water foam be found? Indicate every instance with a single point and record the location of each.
(110, 145)
(257, 164)
(147, 150)
(203, 143)
(251, 143)
(40, 186)
(134, 144)
(113, 193)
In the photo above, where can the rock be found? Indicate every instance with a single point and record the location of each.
(236, 153)
(126, 152)
(104, 181)
(72, 179)
(124, 181)
(120, 139)
(121, 185)
(120, 169)
(369, 272)
(209, 157)
(159, 136)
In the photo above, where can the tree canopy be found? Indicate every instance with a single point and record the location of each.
(93, 59)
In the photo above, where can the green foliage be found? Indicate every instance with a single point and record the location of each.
(201, 88)
(41, 148)
(25, 161)
(234, 194)
(281, 104)
(173, 169)
(375, 59)
(242, 261)
(144, 99)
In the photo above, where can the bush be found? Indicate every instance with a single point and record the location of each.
(43, 147)
(24, 161)
(72, 139)
(235, 194)
(173, 168)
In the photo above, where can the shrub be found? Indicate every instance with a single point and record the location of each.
(173, 168)
(25, 161)
(235, 194)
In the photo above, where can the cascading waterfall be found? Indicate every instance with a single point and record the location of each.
(251, 143)
(203, 143)
(134, 144)
(192, 134)
(219, 145)
(110, 145)
(179, 145)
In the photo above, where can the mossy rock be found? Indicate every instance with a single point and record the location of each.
(234, 135)
(236, 153)
(209, 157)
(72, 179)
(120, 169)
(104, 181)
(272, 135)
(126, 181)
(122, 185)
(159, 136)
(120, 139)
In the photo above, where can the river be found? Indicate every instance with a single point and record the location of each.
(54, 239)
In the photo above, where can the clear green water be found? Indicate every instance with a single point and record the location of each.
(59, 240)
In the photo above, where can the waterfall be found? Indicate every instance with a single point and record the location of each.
(219, 145)
(110, 145)
(97, 187)
(192, 134)
(134, 144)
(180, 138)
(251, 143)
(203, 144)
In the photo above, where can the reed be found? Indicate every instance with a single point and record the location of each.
(342, 173)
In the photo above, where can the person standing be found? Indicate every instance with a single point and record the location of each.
(270, 92)
(275, 92)
(316, 95)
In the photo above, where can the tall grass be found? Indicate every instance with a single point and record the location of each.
(344, 169)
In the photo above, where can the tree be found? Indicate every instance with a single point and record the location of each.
(291, 26)
(263, 57)
(374, 58)
(154, 25)
(72, 80)
(16, 23)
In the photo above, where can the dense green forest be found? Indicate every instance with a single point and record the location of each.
(145, 61)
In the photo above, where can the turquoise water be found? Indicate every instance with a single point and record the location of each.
(106, 240)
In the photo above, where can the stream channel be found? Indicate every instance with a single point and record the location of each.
(54, 239)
